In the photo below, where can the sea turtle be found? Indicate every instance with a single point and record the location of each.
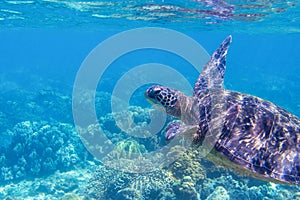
(251, 135)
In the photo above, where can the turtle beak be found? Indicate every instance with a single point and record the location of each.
(151, 93)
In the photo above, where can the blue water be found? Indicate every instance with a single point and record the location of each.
(43, 44)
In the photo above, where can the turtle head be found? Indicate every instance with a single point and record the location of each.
(167, 97)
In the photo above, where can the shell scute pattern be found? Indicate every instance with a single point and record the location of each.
(261, 137)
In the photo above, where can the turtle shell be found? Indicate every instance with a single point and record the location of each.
(261, 137)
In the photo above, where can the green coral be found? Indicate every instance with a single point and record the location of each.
(129, 149)
(71, 196)
(129, 156)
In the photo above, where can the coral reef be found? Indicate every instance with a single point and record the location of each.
(187, 171)
(129, 149)
(125, 124)
(39, 149)
(128, 156)
(129, 142)
(186, 188)
(53, 154)
(237, 187)
(113, 184)
(178, 181)
(188, 164)
(60, 185)
(129, 194)
(45, 103)
(218, 194)
(71, 196)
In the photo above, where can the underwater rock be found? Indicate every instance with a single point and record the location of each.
(218, 194)
(40, 148)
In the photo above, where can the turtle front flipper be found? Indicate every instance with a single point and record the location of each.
(212, 75)
(178, 128)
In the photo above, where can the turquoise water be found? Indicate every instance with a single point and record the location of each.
(43, 46)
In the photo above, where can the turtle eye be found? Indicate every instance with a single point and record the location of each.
(156, 92)
(153, 92)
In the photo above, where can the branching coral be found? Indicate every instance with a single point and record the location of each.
(40, 148)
